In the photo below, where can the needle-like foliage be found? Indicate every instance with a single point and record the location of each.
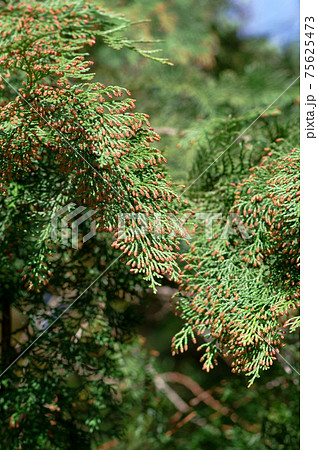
(240, 289)
(65, 139)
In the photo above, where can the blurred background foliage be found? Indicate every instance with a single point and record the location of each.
(216, 73)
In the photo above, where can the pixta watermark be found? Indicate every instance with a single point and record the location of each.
(138, 225)
(69, 228)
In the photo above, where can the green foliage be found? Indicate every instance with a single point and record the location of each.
(65, 138)
(239, 291)
(215, 73)
(62, 141)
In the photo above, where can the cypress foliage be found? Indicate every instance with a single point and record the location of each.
(240, 290)
(67, 139)
(63, 140)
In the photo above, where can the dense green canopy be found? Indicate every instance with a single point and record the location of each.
(86, 329)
